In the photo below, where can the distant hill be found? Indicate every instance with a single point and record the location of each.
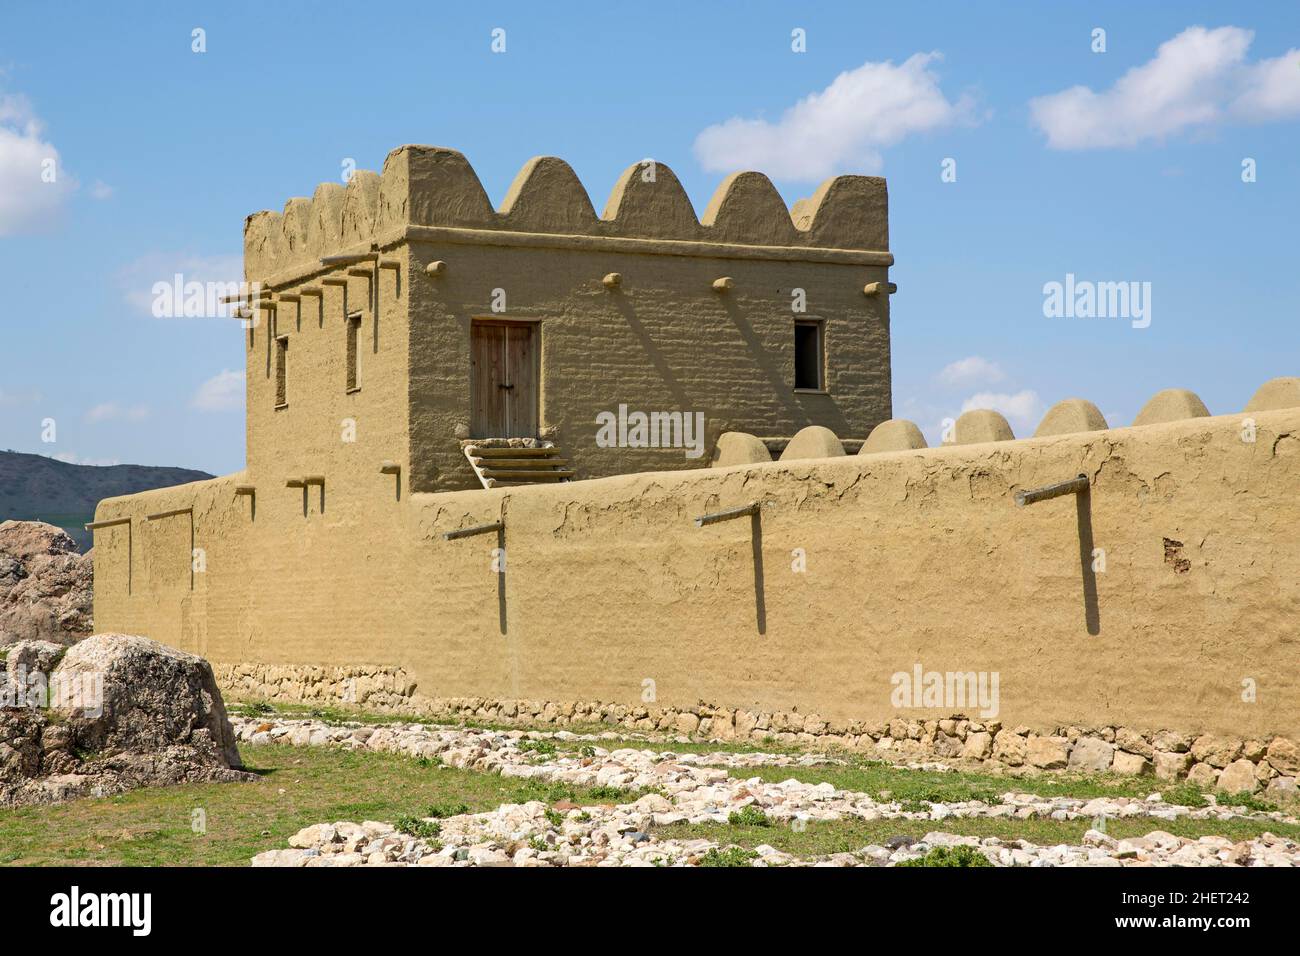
(36, 488)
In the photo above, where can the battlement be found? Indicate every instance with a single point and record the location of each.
(433, 192)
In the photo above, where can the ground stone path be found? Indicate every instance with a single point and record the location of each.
(697, 788)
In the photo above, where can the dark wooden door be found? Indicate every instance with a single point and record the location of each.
(503, 380)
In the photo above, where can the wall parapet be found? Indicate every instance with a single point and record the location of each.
(846, 218)
(1071, 416)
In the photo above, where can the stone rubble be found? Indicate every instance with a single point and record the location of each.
(1270, 763)
(696, 788)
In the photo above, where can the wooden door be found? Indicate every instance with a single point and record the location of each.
(503, 380)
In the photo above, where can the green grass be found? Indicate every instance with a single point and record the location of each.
(691, 747)
(296, 787)
(855, 773)
(339, 715)
(822, 837)
(750, 816)
(348, 715)
(911, 787)
(728, 856)
(950, 856)
(300, 786)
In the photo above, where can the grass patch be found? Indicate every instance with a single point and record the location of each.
(347, 715)
(768, 746)
(340, 715)
(950, 856)
(419, 828)
(543, 749)
(823, 837)
(915, 788)
(750, 816)
(728, 856)
(296, 787)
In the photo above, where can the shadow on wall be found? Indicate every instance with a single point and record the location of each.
(1083, 514)
(760, 601)
(753, 511)
(501, 577)
(661, 365)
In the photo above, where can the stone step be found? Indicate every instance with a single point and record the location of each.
(485, 451)
(538, 463)
(509, 474)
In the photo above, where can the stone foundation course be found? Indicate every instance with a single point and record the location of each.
(1264, 765)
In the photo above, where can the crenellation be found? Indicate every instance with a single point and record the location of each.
(547, 195)
(747, 208)
(436, 187)
(361, 207)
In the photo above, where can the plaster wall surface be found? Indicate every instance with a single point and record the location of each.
(662, 341)
(914, 557)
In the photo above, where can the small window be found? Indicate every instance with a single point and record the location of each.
(281, 361)
(808, 355)
(353, 330)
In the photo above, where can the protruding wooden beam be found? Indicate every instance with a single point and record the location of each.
(612, 280)
(741, 512)
(110, 523)
(876, 288)
(724, 284)
(475, 529)
(435, 268)
(390, 468)
(1073, 486)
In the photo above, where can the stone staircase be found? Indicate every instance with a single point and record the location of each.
(508, 463)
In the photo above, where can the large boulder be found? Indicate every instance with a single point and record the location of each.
(45, 585)
(124, 712)
(153, 697)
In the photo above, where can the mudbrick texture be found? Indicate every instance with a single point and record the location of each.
(910, 558)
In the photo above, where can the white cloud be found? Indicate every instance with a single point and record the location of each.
(972, 370)
(1270, 90)
(137, 278)
(223, 392)
(1196, 80)
(1023, 409)
(112, 411)
(101, 190)
(843, 127)
(27, 202)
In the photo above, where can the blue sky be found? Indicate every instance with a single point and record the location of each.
(162, 151)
